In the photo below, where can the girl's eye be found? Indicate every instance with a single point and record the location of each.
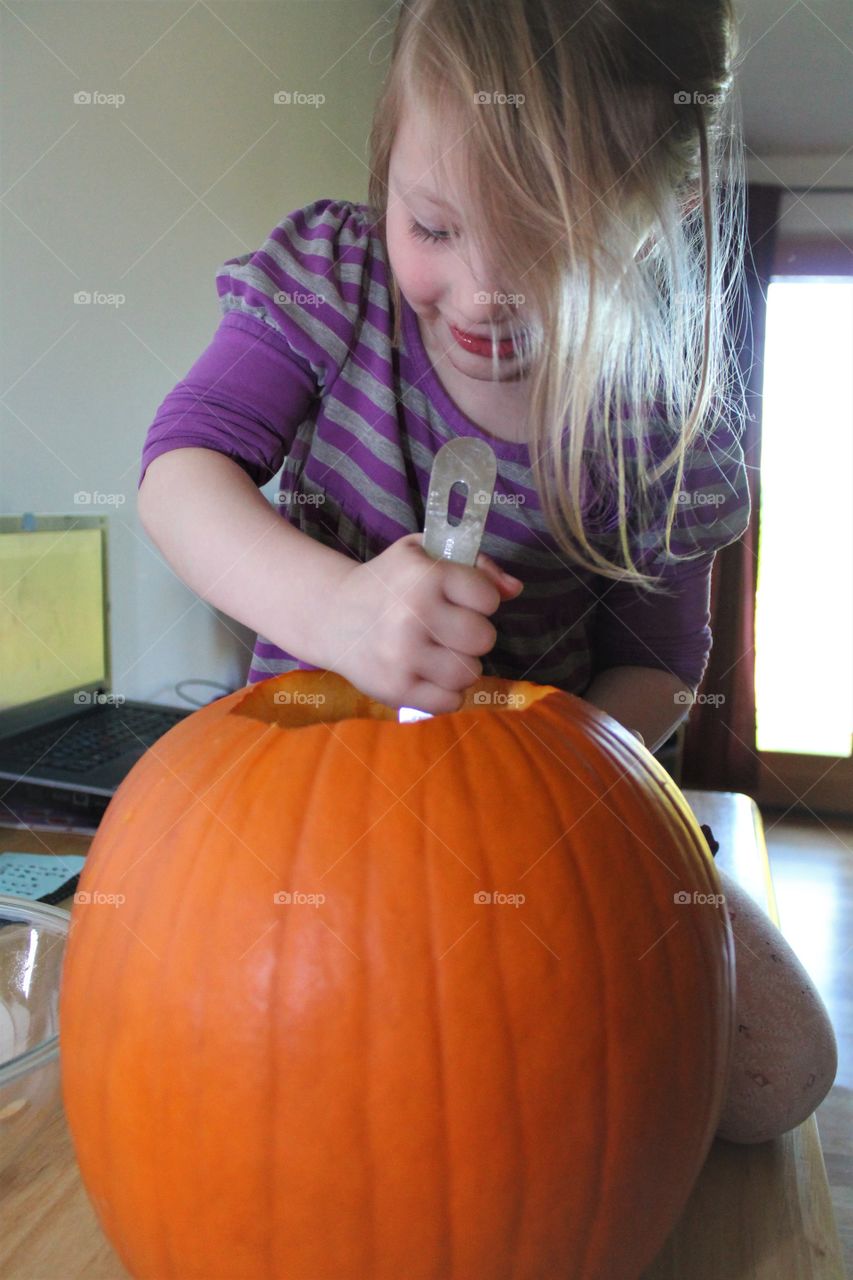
(422, 233)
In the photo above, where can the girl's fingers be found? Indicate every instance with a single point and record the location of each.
(505, 582)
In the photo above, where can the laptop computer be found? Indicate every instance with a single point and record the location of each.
(66, 738)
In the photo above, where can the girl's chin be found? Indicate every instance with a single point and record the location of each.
(480, 367)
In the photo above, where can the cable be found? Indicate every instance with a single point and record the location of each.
(213, 684)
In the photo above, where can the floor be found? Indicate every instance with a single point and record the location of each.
(812, 866)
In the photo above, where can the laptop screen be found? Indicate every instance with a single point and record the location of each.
(52, 634)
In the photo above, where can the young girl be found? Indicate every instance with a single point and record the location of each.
(541, 265)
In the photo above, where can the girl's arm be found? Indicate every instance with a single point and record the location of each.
(638, 642)
(231, 547)
(646, 700)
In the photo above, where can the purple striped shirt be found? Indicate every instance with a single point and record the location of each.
(301, 375)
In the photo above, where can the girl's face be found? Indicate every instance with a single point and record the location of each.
(433, 273)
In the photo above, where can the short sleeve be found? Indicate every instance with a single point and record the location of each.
(307, 283)
(290, 313)
(244, 397)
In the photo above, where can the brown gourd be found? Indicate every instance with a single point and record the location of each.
(347, 999)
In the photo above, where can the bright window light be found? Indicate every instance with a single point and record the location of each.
(804, 615)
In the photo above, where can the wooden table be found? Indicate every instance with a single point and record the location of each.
(756, 1213)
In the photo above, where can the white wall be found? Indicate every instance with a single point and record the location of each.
(147, 199)
(818, 214)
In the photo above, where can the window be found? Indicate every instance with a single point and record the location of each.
(804, 603)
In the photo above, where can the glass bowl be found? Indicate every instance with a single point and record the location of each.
(32, 946)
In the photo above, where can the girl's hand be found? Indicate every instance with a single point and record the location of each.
(409, 630)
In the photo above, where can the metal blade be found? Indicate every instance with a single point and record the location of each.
(463, 461)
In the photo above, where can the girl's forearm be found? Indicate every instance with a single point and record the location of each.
(645, 699)
(229, 545)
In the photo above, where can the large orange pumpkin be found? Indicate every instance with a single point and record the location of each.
(347, 999)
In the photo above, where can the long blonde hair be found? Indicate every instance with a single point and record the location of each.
(611, 198)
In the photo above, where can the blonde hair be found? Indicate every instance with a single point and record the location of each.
(602, 199)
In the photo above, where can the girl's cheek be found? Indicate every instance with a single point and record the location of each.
(785, 1055)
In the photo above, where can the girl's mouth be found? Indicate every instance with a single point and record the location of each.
(483, 346)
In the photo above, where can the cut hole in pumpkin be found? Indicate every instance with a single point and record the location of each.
(299, 699)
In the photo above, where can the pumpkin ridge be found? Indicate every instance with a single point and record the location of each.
(515, 1227)
(441, 1039)
(336, 757)
(273, 1131)
(512, 737)
(590, 1211)
(374, 1152)
(200, 867)
(685, 833)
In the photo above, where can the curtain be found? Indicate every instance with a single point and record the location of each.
(719, 749)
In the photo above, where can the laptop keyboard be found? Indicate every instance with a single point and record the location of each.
(94, 740)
